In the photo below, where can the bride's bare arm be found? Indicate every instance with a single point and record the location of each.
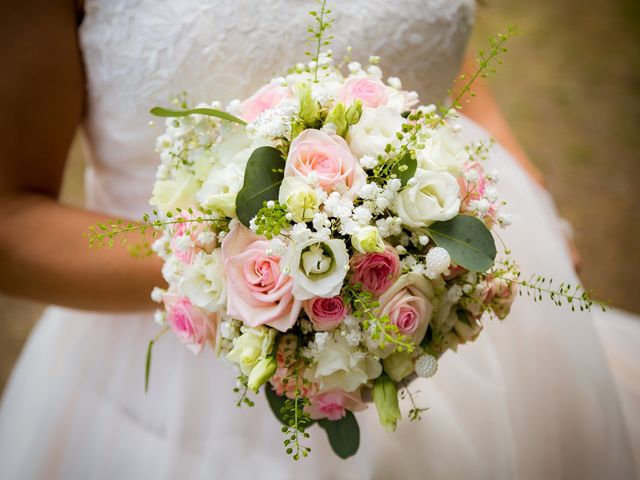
(485, 110)
(43, 254)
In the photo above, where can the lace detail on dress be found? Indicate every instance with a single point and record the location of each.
(140, 53)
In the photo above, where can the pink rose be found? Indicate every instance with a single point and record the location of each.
(265, 98)
(375, 271)
(329, 158)
(258, 293)
(408, 305)
(325, 313)
(333, 404)
(372, 92)
(192, 326)
(500, 295)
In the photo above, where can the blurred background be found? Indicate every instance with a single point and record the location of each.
(570, 87)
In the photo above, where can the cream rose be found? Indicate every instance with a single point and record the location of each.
(376, 129)
(318, 267)
(442, 151)
(435, 196)
(340, 366)
(178, 192)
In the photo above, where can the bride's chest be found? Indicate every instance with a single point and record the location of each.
(152, 49)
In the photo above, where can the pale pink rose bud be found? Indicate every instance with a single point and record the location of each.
(370, 91)
(375, 271)
(325, 313)
(333, 405)
(192, 326)
(269, 96)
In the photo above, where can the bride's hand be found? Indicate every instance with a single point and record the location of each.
(43, 254)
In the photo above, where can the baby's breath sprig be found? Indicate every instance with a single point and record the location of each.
(272, 219)
(106, 233)
(242, 389)
(415, 414)
(296, 418)
(486, 61)
(317, 39)
(381, 329)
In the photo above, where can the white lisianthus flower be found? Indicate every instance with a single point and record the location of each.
(299, 198)
(340, 366)
(435, 196)
(318, 267)
(204, 281)
(376, 129)
(178, 192)
(442, 151)
(221, 188)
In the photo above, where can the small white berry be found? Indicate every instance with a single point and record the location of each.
(426, 366)
(438, 261)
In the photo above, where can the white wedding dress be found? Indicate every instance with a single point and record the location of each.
(536, 397)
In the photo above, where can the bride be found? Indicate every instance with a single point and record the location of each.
(534, 397)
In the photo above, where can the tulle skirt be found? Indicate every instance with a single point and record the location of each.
(548, 393)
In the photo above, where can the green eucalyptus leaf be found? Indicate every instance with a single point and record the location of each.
(212, 112)
(405, 168)
(468, 241)
(262, 178)
(344, 435)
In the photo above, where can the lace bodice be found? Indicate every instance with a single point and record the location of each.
(140, 53)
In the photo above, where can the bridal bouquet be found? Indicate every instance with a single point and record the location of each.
(330, 238)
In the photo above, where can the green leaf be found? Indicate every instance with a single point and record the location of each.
(405, 168)
(212, 112)
(276, 403)
(147, 365)
(468, 241)
(262, 179)
(344, 435)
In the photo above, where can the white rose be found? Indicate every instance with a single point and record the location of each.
(204, 281)
(221, 188)
(339, 366)
(299, 198)
(318, 267)
(376, 129)
(178, 192)
(435, 196)
(442, 151)
(237, 147)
